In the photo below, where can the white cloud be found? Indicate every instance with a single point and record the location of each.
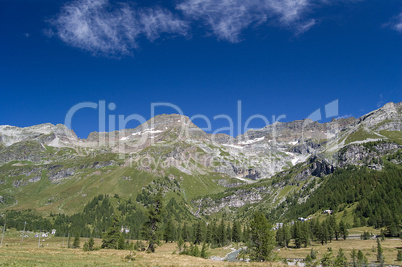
(227, 18)
(397, 25)
(114, 29)
(99, 27)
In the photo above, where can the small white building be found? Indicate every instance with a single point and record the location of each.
(53, 231)
(327, 211)
(124, 230)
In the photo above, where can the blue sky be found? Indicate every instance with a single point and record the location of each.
(278, 57)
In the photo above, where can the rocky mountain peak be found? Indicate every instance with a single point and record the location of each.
(45, 133)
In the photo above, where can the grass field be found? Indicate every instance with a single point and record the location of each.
(368, 247)
(53, 252)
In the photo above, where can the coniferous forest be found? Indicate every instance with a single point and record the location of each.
(374, 197)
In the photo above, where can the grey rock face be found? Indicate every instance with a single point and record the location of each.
(238, 199)
(175, 140)
(60, 174)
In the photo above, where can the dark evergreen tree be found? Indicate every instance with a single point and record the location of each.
(185, 234)
(152, 226)
(236, 232)
(298, 234)
(204, 253)
(180, 244)
(228, 233)
(399, 255)
(353, 255)
(341, 260)
(246, 234)
(121, 242)
(168, 234)
(222, 233)
(111, 237)
(334, 225)
(91, 244)
(343, 230)
(380, 255)
(280, 237)
(262, 240)
(76, 242)
(313, 254)
(361, 259)
(198, 235)
(327, 259)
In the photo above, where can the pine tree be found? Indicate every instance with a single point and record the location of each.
(313, 254)
(121, 242)
(308, 260)
(297, 234)
(334, 225)
(353, 255)
(91, 244)
(323, 233)
(305, 234)
(68, 241)
(85, 247)
(111, 237)
(262, 240)
(343, 229)
(246, 234)
(198, 236)
(204, 250)
(185, 233)
(151, 227)
(341, 259)
(236, 232)
(76, 242)
(356, 221)
(195, 251)
(399, 255)
(280, 237)
(288, 235)
(214, 233)
(185, 250)
(382, 235)
(222, 233)
(327, 259)
(180, 243)
(330, 229)
(380, 256)
(168, 233)
(208, 234)
(229, 233)
(361, 259)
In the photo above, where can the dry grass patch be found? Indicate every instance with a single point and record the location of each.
(368, 247)
(53, 254)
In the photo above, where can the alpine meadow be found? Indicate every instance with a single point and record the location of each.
(201, 133)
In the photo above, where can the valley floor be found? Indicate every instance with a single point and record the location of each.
(368, 247)
(53, 253)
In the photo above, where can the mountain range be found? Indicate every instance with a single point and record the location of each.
(49, 169)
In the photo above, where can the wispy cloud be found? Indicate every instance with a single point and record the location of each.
(397, 23)
(380, 102)
(100, 28)
(228, 18)
(114, 29)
